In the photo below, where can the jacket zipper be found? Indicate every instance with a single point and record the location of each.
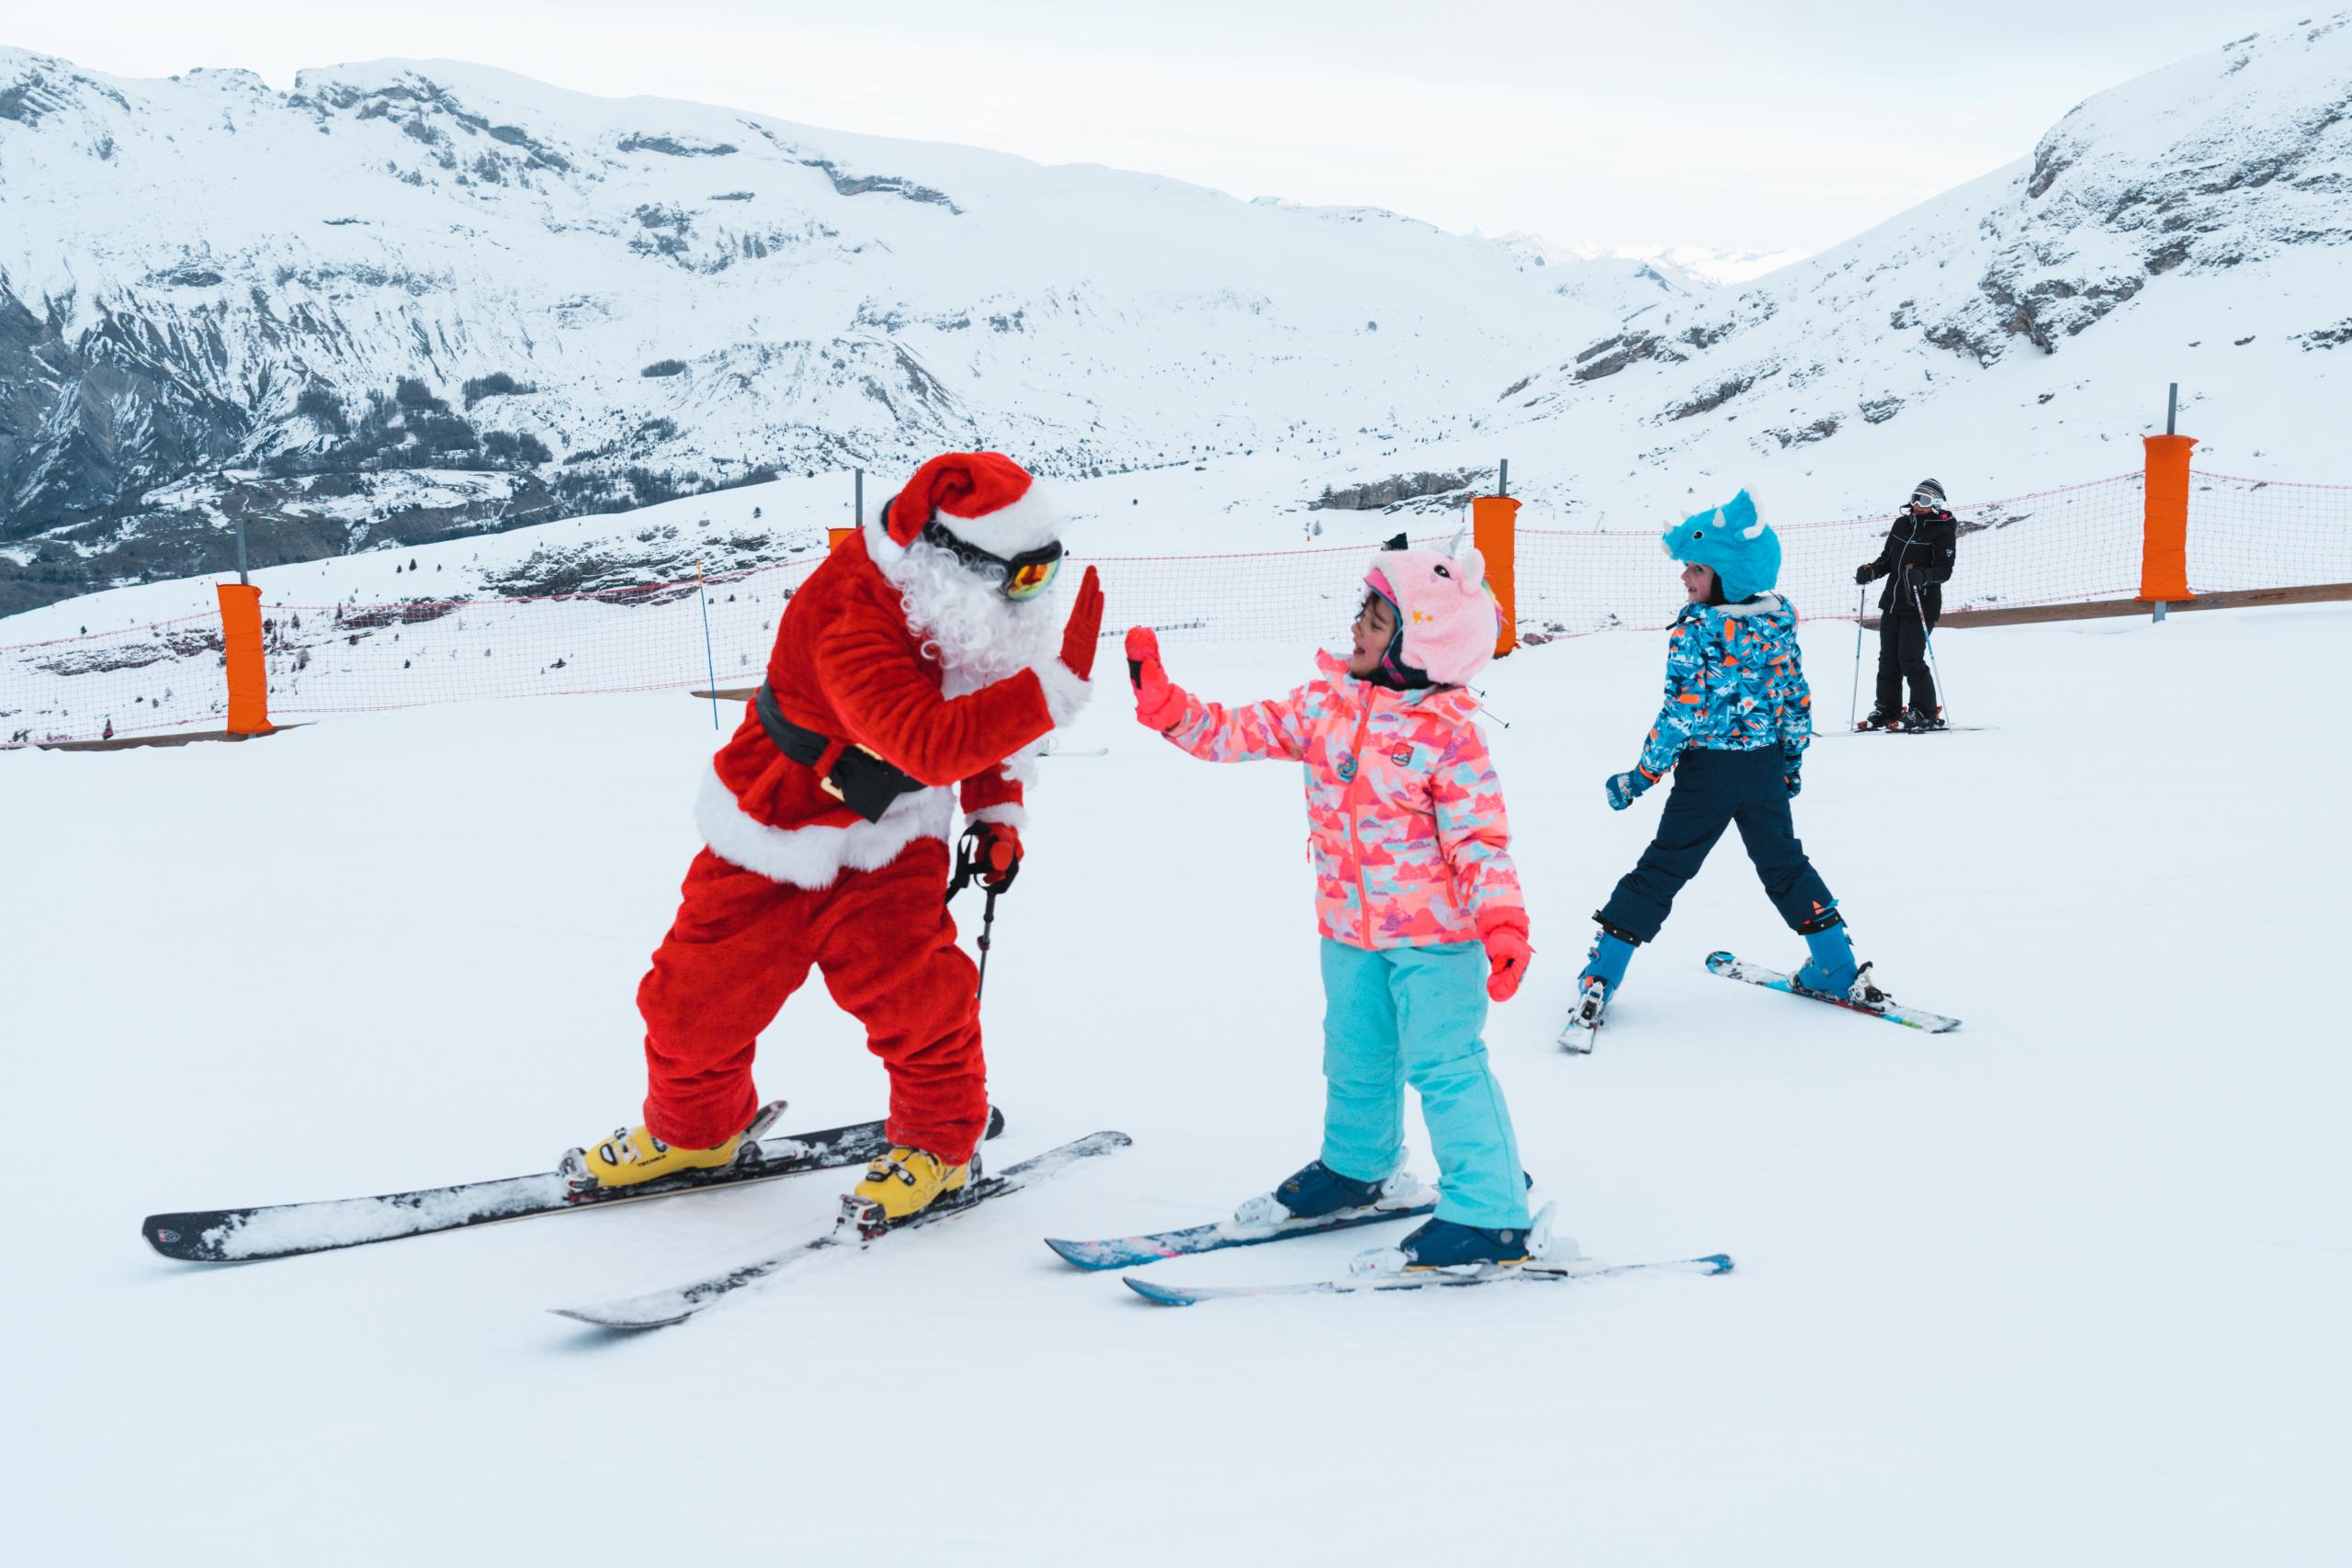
(1355, 841)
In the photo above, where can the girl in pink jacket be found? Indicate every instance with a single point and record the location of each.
(1420, 906)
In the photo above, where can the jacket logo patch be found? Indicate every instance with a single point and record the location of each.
(1402, 756)
(1347, 768)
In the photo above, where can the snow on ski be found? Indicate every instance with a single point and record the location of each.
(1366, 1284)
(1733, 968)
(1134, 1251)
(659, 1309)
(290, 1230)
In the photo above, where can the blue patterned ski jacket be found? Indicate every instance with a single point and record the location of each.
(1735, 681)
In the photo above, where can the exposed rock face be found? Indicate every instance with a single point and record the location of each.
(219, 301)
(2235, 158)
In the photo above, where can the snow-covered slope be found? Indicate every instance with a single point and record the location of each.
(424, 265)
(2067, 1286)
(2194, 225)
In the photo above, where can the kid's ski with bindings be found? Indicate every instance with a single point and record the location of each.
(1733, 968)
(1536, 1272)
(1134, 1251)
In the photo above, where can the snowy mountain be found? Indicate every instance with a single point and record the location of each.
(2191, 225)
(412, 302)
(307, 308)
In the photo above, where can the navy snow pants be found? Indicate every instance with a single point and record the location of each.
(1713, 790)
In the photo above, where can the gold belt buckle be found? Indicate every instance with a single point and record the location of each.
(825, 781)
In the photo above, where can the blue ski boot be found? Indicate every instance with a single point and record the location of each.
(1317, 1190)
(1831, 971)
(1604, 967)
(1444, 1247)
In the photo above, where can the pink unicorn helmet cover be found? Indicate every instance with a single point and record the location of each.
(1447, 620)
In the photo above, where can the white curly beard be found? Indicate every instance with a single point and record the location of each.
(978, 635)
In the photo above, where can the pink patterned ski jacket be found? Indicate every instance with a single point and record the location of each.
(1406, 826)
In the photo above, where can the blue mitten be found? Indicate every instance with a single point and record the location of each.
(1626, 788)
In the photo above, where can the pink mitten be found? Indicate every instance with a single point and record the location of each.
(1508, 954)
(1160, 702)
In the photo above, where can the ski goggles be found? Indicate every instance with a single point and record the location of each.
(1021, 577)
(1926, 500)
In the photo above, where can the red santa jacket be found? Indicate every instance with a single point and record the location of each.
(847, 666)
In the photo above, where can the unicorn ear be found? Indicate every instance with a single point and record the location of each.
(1453, 545)
(1473, 567)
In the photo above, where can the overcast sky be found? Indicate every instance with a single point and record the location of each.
(1762, 125)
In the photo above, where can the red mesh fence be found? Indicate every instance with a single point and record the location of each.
(2050, 547)
(2072, 544)
(164, 675)
(325, 658)
(2266, 533)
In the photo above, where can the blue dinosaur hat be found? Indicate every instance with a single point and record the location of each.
(1735, 541)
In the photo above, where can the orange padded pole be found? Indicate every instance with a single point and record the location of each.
(833, 537)
(1494, 529)
(248, 682)
(2163, 534)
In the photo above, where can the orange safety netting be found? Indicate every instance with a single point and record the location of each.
(2077, 543)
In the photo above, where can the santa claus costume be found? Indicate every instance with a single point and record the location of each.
(918, 662)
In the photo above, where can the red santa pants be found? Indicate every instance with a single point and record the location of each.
(743, 944)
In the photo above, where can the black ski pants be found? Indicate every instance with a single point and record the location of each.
(1711, 791)
(1902, 650)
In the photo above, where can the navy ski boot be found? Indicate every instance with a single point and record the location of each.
(1317, 1190)
(1446, 1247)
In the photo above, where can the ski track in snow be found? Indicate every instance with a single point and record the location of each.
(2064, 1287)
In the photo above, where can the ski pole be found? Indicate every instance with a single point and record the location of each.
(1943, 693)
(1862, 595)
(988, 923)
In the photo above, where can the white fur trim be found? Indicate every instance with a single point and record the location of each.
(1029, 524)
(1066, 694)
(1014, 816)
(887, 551)
(1763, 604)
(813, 856)
(1020, 768)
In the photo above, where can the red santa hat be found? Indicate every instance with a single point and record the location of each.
(983, 498)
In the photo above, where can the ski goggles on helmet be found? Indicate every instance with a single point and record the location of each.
(1926, 500)
(1021, 577)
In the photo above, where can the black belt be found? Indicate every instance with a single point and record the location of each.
(849, 772)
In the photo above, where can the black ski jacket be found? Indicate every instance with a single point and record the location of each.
(1927, 546)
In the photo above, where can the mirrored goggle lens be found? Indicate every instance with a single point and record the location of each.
(1032, 578)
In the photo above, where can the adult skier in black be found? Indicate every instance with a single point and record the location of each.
(1917, 561)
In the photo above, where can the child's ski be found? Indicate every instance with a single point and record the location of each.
(1583, 1028)
(289, 1229)
(1733, 968)
(1133, 1251)
(854, 1230)
(1365, 1284)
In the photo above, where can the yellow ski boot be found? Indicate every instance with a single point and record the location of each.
(633, 1155)
(902, 1184)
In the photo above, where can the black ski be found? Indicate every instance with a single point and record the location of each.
(289, 1229)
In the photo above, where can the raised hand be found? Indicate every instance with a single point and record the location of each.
(1084, 631)
(1159, 703)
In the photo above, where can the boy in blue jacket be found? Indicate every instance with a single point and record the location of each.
(1734, 728)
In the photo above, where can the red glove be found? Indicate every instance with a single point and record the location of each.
(1084, 628)
(996, 852)
(1508, 954)
(1159, 703)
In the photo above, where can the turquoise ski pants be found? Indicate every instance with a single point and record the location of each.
(1413, 1015)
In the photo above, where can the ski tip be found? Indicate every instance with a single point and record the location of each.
(1081, 1253)
(178, 1238)
(1715, 1263)
(996, 1121)
(600, 1318)
(1159, 1295)
(1719, 961)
